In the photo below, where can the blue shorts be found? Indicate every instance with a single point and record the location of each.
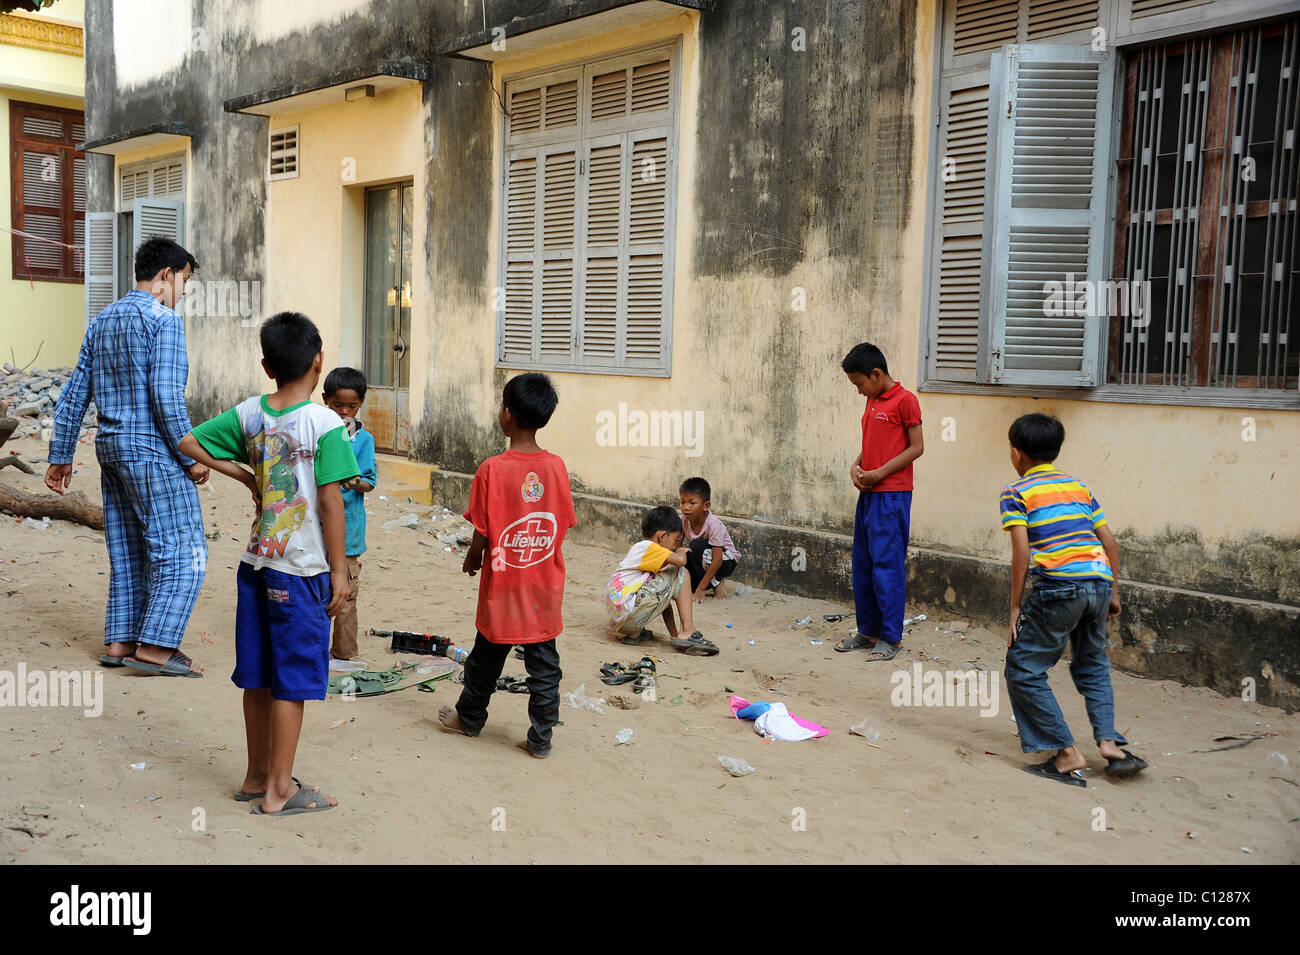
(282, 633)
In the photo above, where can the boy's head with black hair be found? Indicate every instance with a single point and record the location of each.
(1035, 439)
(291, 349)
(162, 267)
(695, 496)
(345, 391)
(527, 403)
(867, 370)
(662, 525)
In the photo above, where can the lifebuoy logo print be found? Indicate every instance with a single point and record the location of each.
(528, 541)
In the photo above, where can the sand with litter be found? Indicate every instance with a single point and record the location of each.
(940, 785)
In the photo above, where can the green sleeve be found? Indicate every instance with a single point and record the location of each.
(223, 437)
(334, 458)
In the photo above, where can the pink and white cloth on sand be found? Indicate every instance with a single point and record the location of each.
(777, 723)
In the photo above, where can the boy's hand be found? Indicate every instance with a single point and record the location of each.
(1115, 608)
(1015, 623)
(250, 482)
(198, 472)
(341, 589)
(473, 562)
(698, 596)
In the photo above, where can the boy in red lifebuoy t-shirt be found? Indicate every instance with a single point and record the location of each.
(521, 508)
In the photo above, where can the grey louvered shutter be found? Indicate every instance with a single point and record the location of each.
(162, 217)
(101, 258)
(520, 256)
(964, 135)
(1049, 196)
(603, 256)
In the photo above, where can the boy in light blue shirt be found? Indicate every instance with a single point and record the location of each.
(345, 392)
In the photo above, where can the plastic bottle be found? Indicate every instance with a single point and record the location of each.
(457, 654)
(800, 624)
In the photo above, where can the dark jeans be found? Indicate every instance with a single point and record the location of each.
(1058, 612)
(482, 669)
(697, 562)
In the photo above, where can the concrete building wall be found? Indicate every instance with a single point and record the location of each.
(796, 170)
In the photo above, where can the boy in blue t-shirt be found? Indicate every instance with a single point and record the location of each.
(344, 393)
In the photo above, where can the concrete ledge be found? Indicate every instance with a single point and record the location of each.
(1198, 638)
(406, 478)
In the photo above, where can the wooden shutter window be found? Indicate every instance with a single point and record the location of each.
(1050, 193)
(609, 95)
(645, 307)
(1054, 17)
(517, 337)
(525, 111)
(48, 193)
(649, 206)
(984, 24)
(650, 87)
(964, 148)
(101, 257)
(1151, 8)
(162, 217)
(521, 204)
(561, 107)
(559, 196)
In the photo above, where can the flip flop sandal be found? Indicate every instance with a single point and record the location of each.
(1048, 770)
(108, 660)
(855, 642)
(512, 684)
(886, 650)
(645, 636)
(298, 802)
(178, 664)
(1130, 765)
(616, 674)
(695, 645)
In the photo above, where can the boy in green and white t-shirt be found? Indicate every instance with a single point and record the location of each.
(293, 575)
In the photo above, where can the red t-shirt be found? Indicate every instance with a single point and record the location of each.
(522, 504)
(884, 434)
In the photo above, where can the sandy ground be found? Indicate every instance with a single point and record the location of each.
(940, 785)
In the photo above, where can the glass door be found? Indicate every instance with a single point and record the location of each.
(389, 215)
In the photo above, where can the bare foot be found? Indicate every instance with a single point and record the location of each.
(151, 653)
(722, 591)
(270, 805)
(1070, 759)
(1110, 749)
(527, 747)
(447, 717)
(119, 650)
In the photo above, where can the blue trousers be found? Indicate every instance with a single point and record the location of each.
(880, 533)
(1058, 612)
(157, 553)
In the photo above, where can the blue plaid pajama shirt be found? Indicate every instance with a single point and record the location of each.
(133, 364)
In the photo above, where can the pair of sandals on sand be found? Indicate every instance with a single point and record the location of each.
(695, 644)
(880, 649)
(178, 664)
(643, 673)
(1124, 768)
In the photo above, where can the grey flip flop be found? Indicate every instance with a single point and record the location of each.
(855, 642)
(695, 645)
(298, 802)
(886, 650)
(108, 660)
(178, 664)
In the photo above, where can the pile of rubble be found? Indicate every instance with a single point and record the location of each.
(32, 395)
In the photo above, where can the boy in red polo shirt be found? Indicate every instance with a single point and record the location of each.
(521, 508)
(882, 473)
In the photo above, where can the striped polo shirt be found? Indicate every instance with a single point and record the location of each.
(1062, 517)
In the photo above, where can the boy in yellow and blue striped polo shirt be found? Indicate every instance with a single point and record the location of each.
(1055, 521)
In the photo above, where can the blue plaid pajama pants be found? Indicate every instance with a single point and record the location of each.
(157, 552)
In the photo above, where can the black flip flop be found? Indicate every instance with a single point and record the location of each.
(645, 636)
(615, 674)
(855, 642)
(1048, 770)
(695, 645)
(108, 660)
(1130, 765)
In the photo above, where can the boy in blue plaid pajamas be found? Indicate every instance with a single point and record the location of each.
(133, 363)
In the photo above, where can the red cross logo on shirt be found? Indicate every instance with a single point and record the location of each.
(529, 540)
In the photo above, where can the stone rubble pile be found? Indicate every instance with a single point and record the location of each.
(32, 396)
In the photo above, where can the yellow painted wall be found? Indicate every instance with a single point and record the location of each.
(315, 223)
(36, 312)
